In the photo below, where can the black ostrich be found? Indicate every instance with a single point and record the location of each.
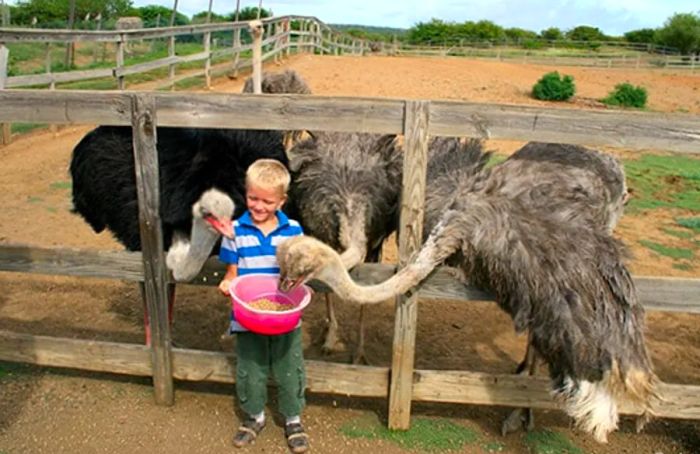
(191, 162)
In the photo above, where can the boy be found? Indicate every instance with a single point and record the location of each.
(257, 233)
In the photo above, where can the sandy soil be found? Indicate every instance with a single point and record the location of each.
(61, 411)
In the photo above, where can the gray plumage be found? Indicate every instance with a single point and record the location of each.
(534, 229)
(287, 81)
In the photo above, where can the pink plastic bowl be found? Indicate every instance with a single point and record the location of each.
(251, 287)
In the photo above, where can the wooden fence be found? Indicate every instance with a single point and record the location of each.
(417, 120)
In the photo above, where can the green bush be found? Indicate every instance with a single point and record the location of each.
(553, 87)
(627, 95)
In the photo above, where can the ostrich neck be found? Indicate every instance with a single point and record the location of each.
(352, 235)
(336, 276)
(201, 243)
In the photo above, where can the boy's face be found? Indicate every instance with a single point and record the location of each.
(262, 203)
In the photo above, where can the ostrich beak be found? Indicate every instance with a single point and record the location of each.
(221, 225)
(287, 285)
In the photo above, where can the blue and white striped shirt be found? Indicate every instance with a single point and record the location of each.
(253, 251)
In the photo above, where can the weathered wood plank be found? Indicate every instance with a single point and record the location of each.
(461, 387)
(634, 130)
(5, 128)
(669, 294)
(155, 272)
(143, 67)
(190, 365)
(415, 162)
(673, 132)
(48, 78)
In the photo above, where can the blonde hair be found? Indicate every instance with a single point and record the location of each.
(268, 174)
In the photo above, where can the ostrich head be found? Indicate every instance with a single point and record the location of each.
(303, 258)
(216, 208)
(211, 217)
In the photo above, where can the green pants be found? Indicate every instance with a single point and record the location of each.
(258, 355)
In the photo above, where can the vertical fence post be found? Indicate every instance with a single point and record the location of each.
(415, 161)
(52, 85)
(5, 128)
(207, 62)
(288, 37)
(143, 122)
(171, 68)
(120, 61)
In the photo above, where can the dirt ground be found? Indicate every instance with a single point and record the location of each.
(62, 411)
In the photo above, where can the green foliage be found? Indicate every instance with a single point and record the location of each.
(249, 13)
(689, 223)
(681, 31)
(627, 95)
(663, 182)
(553, 87)
(674, 253)
(585, 33)
(643, 35)
(159, 16)
(682, 234)
(519, 34)
(425, 434)
(201, 17)
(55, 12)
(552, 34)
(549, 442)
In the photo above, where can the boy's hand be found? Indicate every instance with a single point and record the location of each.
(224, 286)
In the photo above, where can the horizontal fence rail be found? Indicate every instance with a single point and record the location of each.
(669, 294)
(634, 130)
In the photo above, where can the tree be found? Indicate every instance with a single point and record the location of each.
(681, 31)
(57, 11)
(201, 17)
(585, 33)
(643, 35)
(552, 34)
(150, 14)
(519, 34)
(250, 13)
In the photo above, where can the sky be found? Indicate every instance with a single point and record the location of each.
(612, 17)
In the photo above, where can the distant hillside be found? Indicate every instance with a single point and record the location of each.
(372, 32)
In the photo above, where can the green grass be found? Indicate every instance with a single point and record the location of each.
(663, 182)
(674, 253)
(689, 223)
(425, 434)
(548, 442)
(9, 371)
(21, 128)
(493, 447)
(683, 266)
(683, 234)
(61, 185)
(34, 199)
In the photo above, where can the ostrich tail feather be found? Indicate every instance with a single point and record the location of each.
(594, 406)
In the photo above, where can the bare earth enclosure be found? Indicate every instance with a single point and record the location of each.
(61, 411)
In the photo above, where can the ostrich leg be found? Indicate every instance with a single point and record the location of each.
(332, 343)
(522, 417)
(146, 318)
(360, 357)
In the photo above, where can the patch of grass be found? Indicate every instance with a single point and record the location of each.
(61, 185)
(495, 159)
(9, 371)
(684, 234)
(689, 223)
(548, 442)
(663, 182)
(34, 199)
(52, 209)
(493, 447)
(684, 266)
(425, 434)
(21, 128)
(674, 253)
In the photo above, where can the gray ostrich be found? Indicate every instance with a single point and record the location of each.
(530, 236)
(345, 191)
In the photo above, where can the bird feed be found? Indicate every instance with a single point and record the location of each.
(264, 304)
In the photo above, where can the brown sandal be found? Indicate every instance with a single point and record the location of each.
(247, 432)
(297, 440)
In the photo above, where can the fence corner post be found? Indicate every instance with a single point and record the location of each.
(5, 128)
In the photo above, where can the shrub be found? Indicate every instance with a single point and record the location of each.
(553, 87)
(627, 95)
